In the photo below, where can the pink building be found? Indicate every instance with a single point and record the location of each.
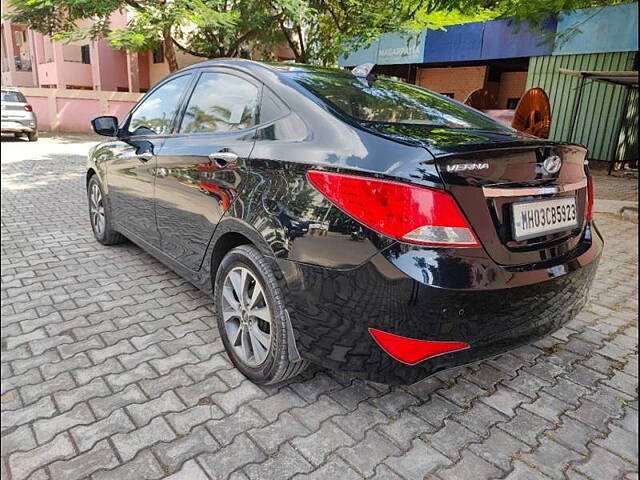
(30, 59)
(68, 84)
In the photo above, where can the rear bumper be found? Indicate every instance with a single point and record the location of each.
(19, 126)
(432, 294)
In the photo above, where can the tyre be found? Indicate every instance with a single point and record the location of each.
(33, 136)
(99, 215)
(252, 318)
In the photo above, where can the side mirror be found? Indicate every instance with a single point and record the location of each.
(106, 125)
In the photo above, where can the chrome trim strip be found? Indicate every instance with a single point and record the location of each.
(493, 192)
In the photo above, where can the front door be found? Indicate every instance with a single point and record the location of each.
(200, 168)
(131, 171)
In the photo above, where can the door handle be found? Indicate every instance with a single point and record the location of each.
(145, 156)
(223, 159)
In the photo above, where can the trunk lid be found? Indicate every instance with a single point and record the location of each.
(489, 172)
(14, 110)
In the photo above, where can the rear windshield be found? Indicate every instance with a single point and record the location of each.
(11, 96)
(388, 101)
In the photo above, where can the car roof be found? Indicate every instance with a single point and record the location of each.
(257, 67)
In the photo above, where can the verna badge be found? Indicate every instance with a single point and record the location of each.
(462, 167)
(552, 164)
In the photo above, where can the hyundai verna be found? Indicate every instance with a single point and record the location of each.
(354, 222)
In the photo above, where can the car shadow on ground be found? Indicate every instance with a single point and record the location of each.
(13, 138)
(59, 138)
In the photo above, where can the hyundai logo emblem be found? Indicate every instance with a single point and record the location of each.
(552, 164)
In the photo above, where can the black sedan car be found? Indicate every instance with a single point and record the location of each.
(419, 234)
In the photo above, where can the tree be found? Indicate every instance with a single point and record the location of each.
(321, 28)
(315, 30)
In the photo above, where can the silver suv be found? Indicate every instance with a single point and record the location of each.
(18, 116)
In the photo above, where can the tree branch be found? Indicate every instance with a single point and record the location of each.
(188, 50)
(301, 40)
(290, 41)
(252, 33)
(333, 15)
(134, 4)
(169, 51)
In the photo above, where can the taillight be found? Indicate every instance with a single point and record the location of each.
(28, 108)
(405, 212)
(410, 350)
(589, 199)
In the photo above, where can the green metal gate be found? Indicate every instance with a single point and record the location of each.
(628, 142)
(598, 117)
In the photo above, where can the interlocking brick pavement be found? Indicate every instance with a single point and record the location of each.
(112, 368)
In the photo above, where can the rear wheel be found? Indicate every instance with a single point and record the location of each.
(252, 319)
(33, 136)
(99, 216)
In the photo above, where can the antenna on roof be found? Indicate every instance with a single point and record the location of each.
(363, 70)
(363, 73)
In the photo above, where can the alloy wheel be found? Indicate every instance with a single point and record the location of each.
(96, 209)
(246, 316)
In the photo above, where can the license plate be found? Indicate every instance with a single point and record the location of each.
(534, 219)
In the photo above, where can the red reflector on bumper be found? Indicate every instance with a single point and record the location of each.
(410, 350)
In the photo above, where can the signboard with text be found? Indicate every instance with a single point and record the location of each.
(390, 49)
(397, 48)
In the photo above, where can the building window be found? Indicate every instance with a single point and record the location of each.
(512, 103)
(48, 50)
(20, 37)
(85, 54)
(447, 94)
(158, 54)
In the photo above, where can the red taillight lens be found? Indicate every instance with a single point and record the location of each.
(28, 108)
(589, 199)
(405, 212)
(410, 350)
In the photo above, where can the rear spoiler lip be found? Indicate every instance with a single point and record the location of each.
(439, 151)
(499, 147)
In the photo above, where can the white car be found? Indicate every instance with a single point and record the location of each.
(18, 116)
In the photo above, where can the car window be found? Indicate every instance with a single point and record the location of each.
(11, 96)
(388, 101)
(220, 103)
(270, 108)
(156, 112)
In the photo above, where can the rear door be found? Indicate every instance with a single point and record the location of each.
(200, 167)
(130, 176)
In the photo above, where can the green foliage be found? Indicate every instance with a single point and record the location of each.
(441, 19)
(335, 24)
(52, 16)
(316, 30)
(218, 28)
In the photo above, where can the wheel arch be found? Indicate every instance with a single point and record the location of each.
(224, 245)
(231, 233)
(90, 173)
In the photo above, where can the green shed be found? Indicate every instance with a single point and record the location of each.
(594, 120)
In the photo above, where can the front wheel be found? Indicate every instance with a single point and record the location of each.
(98, 215)
(252, 318)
